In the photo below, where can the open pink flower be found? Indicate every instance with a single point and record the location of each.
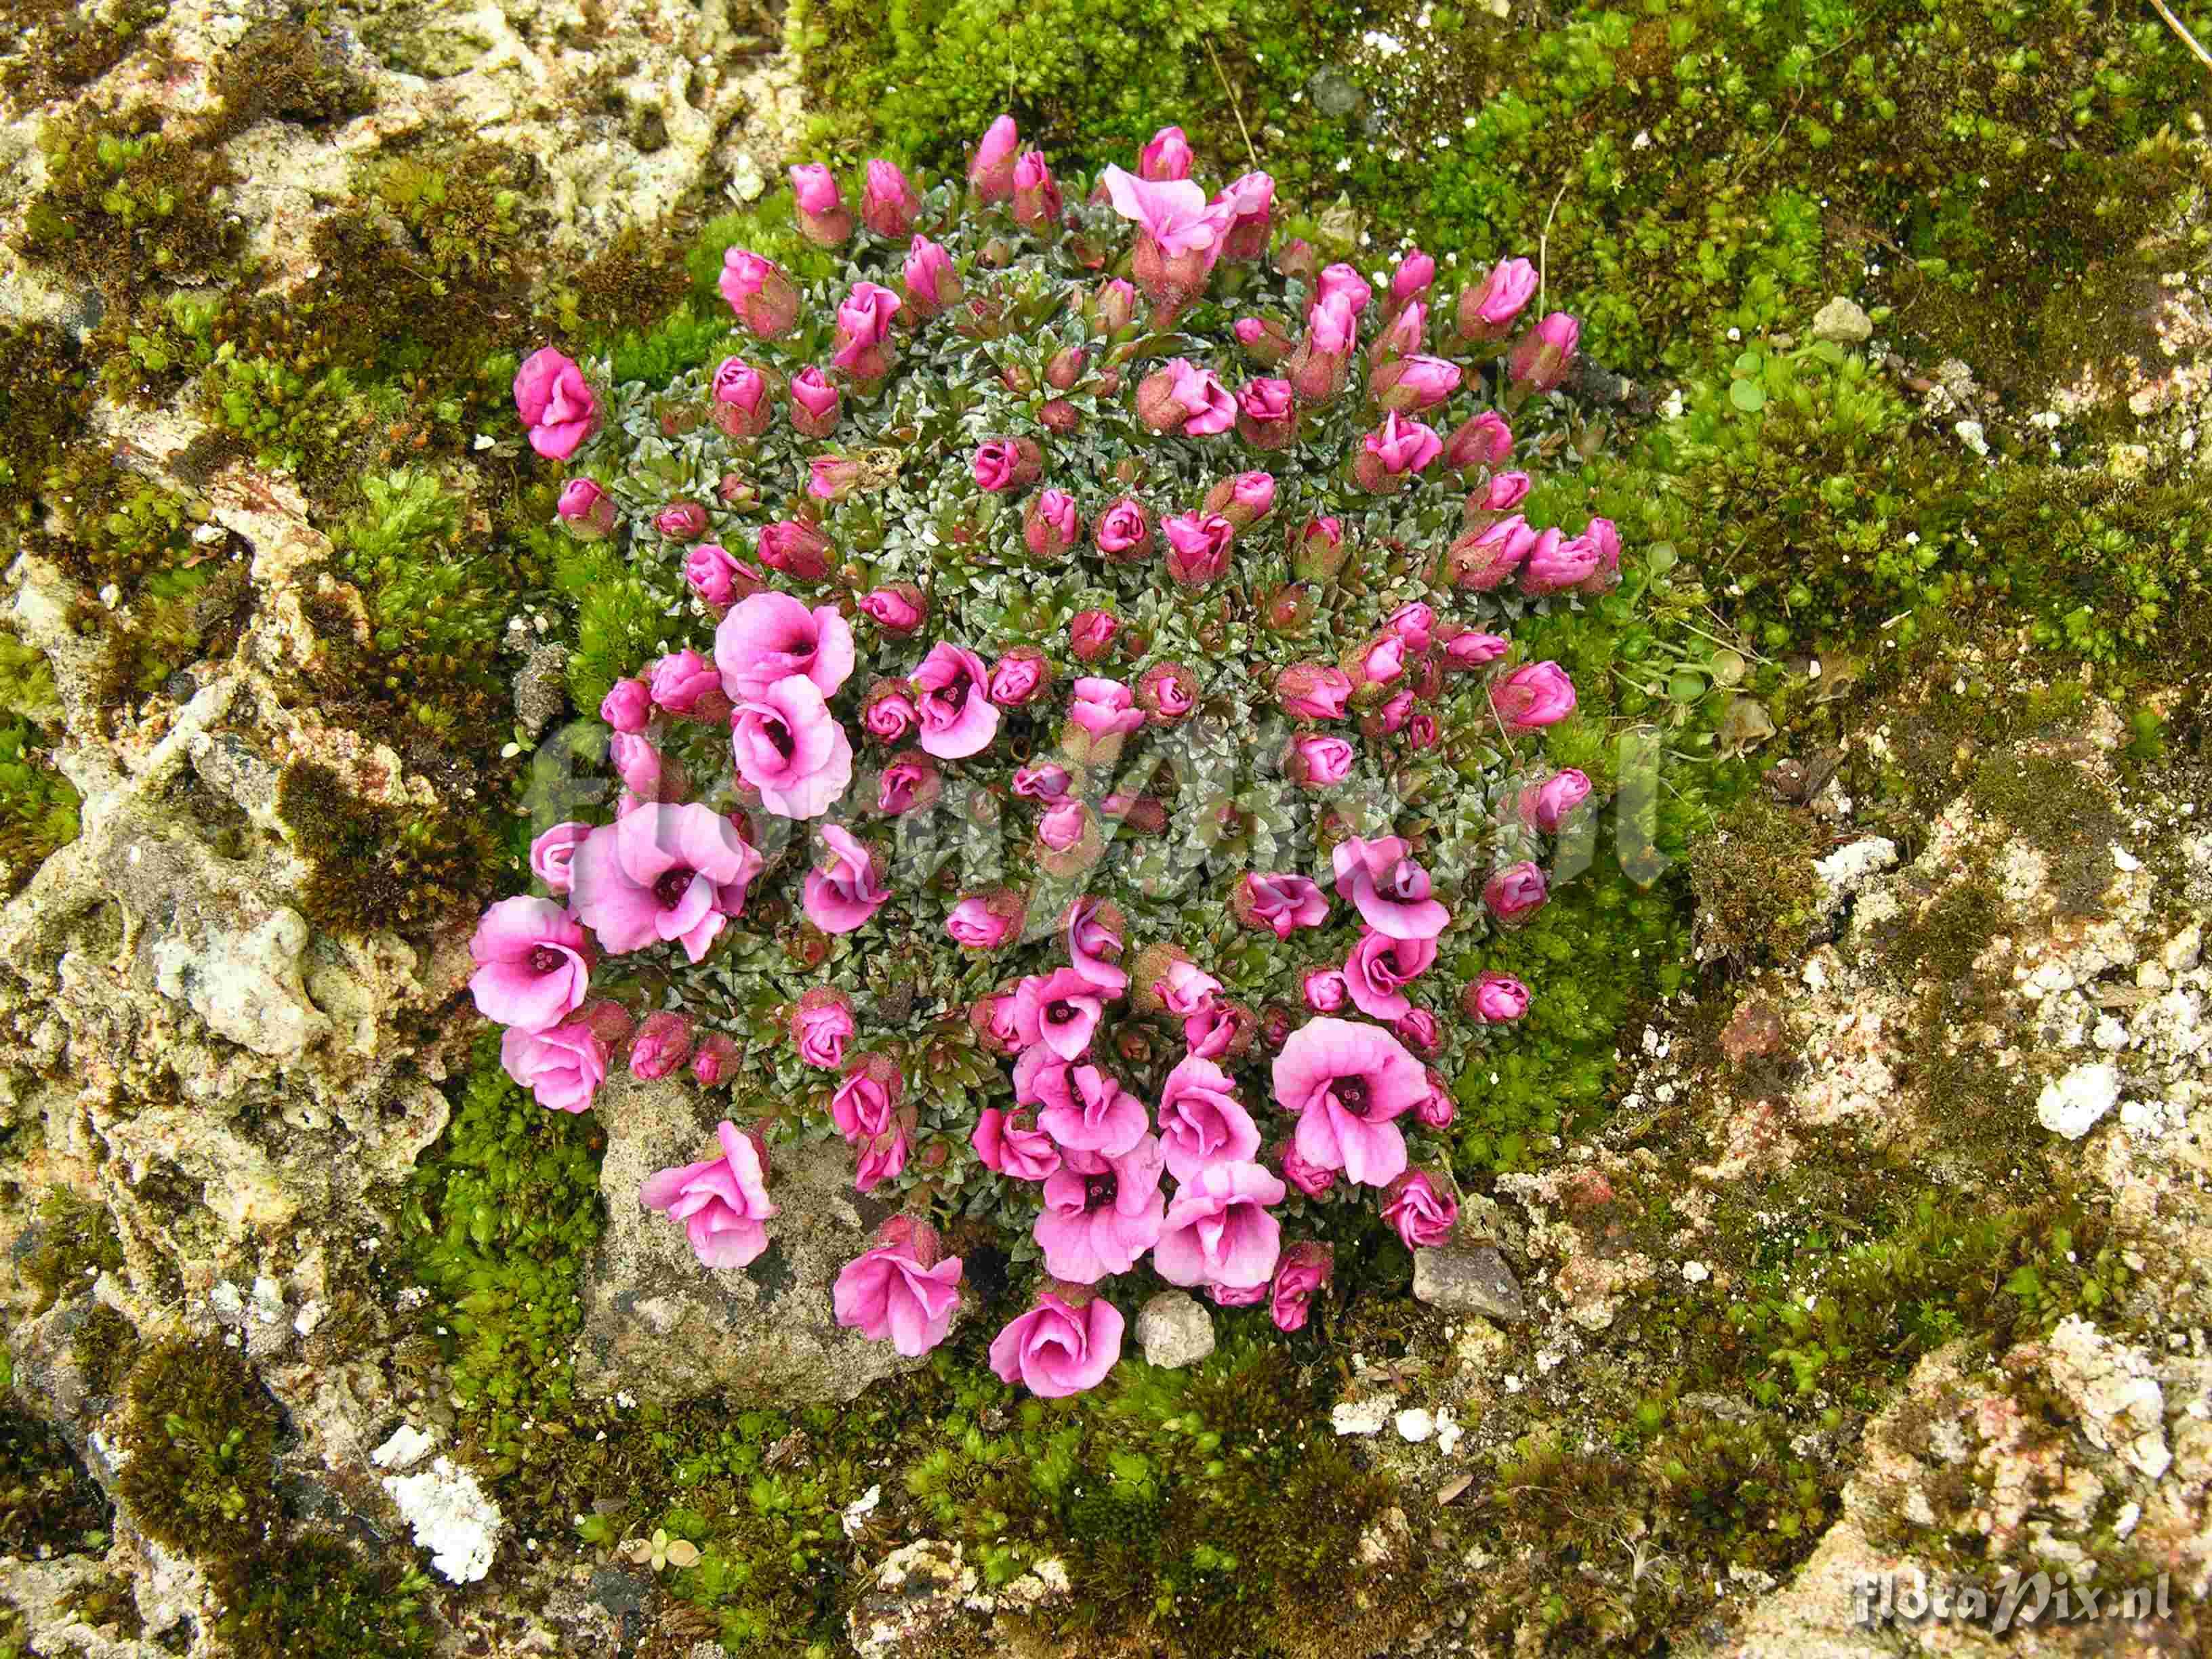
(1093, 930)
(1063, 1009)
(533, 964)
(1055, 1350)
(787, 746)
(563, 1066)
(1390, 890)
(1101, 1213)
(721, 1201)
(1423, 1214)
(556, 404)
(866, 1101)
(1202, 1121)
(1011, 1144)
(1345, 1082)
(1302, 1273)
(1217, 1231)
(1200, 545)
(1282, 903)
(663, 872)
(552, 854)
(901, 1291)
(820, 1025)
(841, 894)
(952, 700)
(1173, 212)
(770, 635)
(1379, 966)
(1086, 1110)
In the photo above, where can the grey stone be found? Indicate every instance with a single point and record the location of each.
(1173, 1329)
(1468, 1278)
(660, 1328)
(1334, 93)
(1842, 321)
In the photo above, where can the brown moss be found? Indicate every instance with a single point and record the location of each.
(1756, 894)
(59, 45)
(44, 398)
(376, 867)
(283, 71)
(201, 1435)
(132, 199)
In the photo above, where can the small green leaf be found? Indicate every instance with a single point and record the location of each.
(1747, 395)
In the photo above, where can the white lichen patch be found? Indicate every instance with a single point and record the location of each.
(452, 1518)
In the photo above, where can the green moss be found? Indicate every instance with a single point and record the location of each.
(38, 805)
(131, 199)
(201, 1435)
(74, 1242)
(104, 1348)
(376, 866)
(316, 1598)
(1756, 894)
(618, 618)
(48, 1504)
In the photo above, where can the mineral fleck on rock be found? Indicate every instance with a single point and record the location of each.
(1175, 1330)
(1468, 1278)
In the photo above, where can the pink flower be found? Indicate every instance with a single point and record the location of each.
(1417, 1029)
(1533, 695)
(864, 323)
(832, 478)
(1556, 565)
(1266, 413)
(1250, 198)
(1092, 930)
(552, 853)
(562, 1066)
(721, 1201)
(1282, 903)
(1217, 1229)
(1101, 1213)
(1318, 760)
(1184, 988)
(1325, 989)
(1604, 538)
(1346, 1083)
(764, 299)
(1472, 649)
(1055, 1351)
(1310, 1179)
(1123, 533)
(1393, 451)
(1085, 1111)
(1037, 206)
(1064, 828)
(1020, 676)
(883, 1158)
(823, 218)
(1219, 1027)
(1198, 546)
(1202, 1120)
(1438, 1111)
(866, 1099)
(533, 964)
(1167, 157)
(556, 404)
(1342, 281)
(1011, 1144)
(1483, 440)
(663, 1043)
(1318, 552)
(718, 577)
(898, 609)
(786, 745)
(1060, 1009)
(1049, 527)
(841, 894)
(1167, 693)
(715, 1060)
(663, 872)
(1390, 890)
(587, 511)
(820, 1025)
(1000, 464)
(1548, 805)
(990, 170)
(1173, 212)
(685, 683)
(1247, 1295)
(984, 922)
(1089, 633)
(889, 202)
(888, 713)
(1317, 364)
(1303, 1272)
(1495, 999)
(952, 702)
(1423, 1216)
(815, 405)
(1045, 780)
(1266, 341)
(903, 1291)
(1542, 358)
(795, 547)
(1487, 309)
(1208, 406)
(1414, 623)
(1505, 492)
(1313, 692)
(740, 399)
(1413, 383)
(932, 283)
(1415, 275)
(644, 771)
(1104, 707)
(1403, 332)
(1379, 966)
(1516, 893)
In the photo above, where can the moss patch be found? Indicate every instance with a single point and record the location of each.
(201, 1432)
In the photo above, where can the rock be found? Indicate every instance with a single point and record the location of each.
(2122, 1405)
(1756, 1031)
(1173, 1329)
(1362, 1416)
(1334, 93)
(1468, 1278)
(1842, 321)
(660, 1328)
(452, 1516)
(2071, 1105)
(922, 1592)
(407, 1446)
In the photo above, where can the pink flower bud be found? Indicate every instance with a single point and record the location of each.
(932, 284)
(1123, 533)
(888, 713)
(1317, 367)
(556, 404)
(909, 779)
(687, 684)
(1417, 1029)
(832, 478)
(764, 299)
(1036, 196)
(681, 521)
(714, 1062)
(1313, 692)
(1605, 544)
(1395, 452)
(1414, 383)
(991, 171)
(1487, 309)
(864, 325)
(1469, 648)
(628, 707)
(1045, 781)
(1242, 499)
(1198, 546)
(1501, 495)
(1267, 340)
(1341, 280)
(1436, 1109)
(984, 922)
(1296, 260)
(1411, 283)
(1167, 692)
(1479, 560)
(1541, 360)
(1090, 634)
(719, 579)
(586, 511)
(1001, 464)
(889, 202)
(816, 405)
(1267, 414)
(1325, 989)
(1533, 695)
(796, 548)
(1484, 441)
(898, 609)
(1318, 760)
(1064, 371)
(1020, 676)
(823, 217)
(1516, 893)
(1167, 157)
(1402, 335)
(741, 407)
(1318, 551)
(1424, 1211)
(1049, 527)
(1251, 200)
(664, 1042)
(1495, 999)
(1117, 305)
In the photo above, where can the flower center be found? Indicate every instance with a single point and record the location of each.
(1352, 1095)
(673, 885)
(1061, 1013)
(1098, 1191)
(544, 960)
(779, 735)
